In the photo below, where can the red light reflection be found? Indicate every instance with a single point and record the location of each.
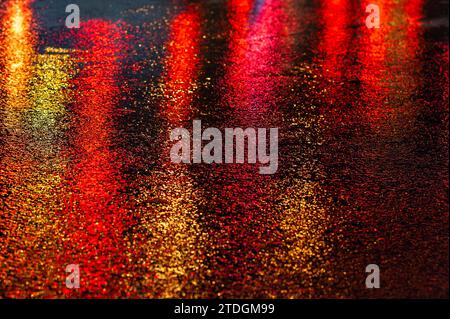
(96, 220)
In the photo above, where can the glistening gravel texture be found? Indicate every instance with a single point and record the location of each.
(86, 176)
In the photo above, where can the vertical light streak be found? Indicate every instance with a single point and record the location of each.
(31, 168)
(95, 216)
(168, 203)
(384, 54)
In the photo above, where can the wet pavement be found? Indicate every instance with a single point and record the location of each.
(86, 176)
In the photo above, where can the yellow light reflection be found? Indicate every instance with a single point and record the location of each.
(34, 94)
(17, 46)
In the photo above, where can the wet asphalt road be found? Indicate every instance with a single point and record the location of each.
(86, 176)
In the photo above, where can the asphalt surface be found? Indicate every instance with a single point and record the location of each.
(86, 177)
